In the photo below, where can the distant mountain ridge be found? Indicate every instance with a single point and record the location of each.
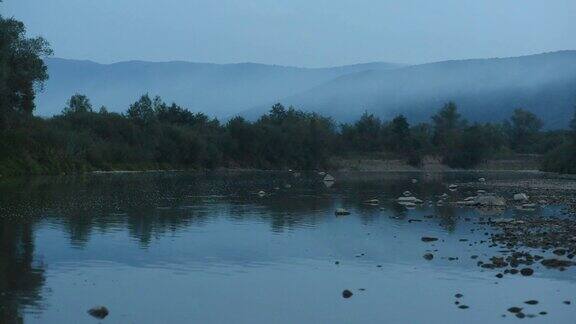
(217, 89)
(484, 89)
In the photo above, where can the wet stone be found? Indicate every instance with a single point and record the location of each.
(428, 256)
(559, 252)
(531, 302)
(526, 272)
(347, 293)
(428, 239)
(99, 312)
(514, 309)
(556, 263)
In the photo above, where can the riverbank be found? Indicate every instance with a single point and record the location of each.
(517, 162)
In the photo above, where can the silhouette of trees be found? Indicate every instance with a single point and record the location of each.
(23, 71)
(523, 130)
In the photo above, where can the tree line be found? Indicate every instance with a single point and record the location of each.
(153, 134)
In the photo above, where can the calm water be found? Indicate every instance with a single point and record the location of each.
(206, 248)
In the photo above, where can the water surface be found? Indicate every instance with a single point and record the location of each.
(207, 248)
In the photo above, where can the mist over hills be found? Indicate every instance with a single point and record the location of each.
(219, 90)
(484, 89)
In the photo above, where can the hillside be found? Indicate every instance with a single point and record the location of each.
(484, 89)
(218, 89)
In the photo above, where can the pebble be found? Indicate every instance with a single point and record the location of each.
(526, 272)
(99, 312)
(428, 256)
(347, 293)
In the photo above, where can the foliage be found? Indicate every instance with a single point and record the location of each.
(155, 135)
(77, 104)
(21, 71)
(523, 130)
(562, 159)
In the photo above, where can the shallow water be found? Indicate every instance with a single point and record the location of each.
(206, 248)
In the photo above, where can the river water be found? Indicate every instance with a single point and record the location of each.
(211, 248)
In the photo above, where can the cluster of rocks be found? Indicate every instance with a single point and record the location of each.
(554, 237)
(542, 191)
(557, 235)
(408, 200)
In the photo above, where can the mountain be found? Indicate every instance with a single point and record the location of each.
(217, 89)
(484, 89)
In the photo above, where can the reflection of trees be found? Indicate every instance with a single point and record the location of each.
(148, 206)
(20, 280)
(448, 217)
(152, 204)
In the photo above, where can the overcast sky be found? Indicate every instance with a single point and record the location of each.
(297, 32)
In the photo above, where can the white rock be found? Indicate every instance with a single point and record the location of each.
(520, 197)
(409, 200)
(328, 177)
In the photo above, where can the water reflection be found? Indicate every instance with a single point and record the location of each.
(216, 223)
(21, 278)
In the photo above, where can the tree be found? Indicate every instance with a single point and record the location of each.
(367, 133)
(447, 125)
(78, 103)
(573, 124)
(401, 139)
(22, 70)
(523, 130)
(470, 150)
(142, 111)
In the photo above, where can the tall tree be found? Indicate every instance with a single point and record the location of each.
(573, 122)
(78, 103)
(142, 111)
(22, 70)
(523, 130)
(401, 139)
(447, 125)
